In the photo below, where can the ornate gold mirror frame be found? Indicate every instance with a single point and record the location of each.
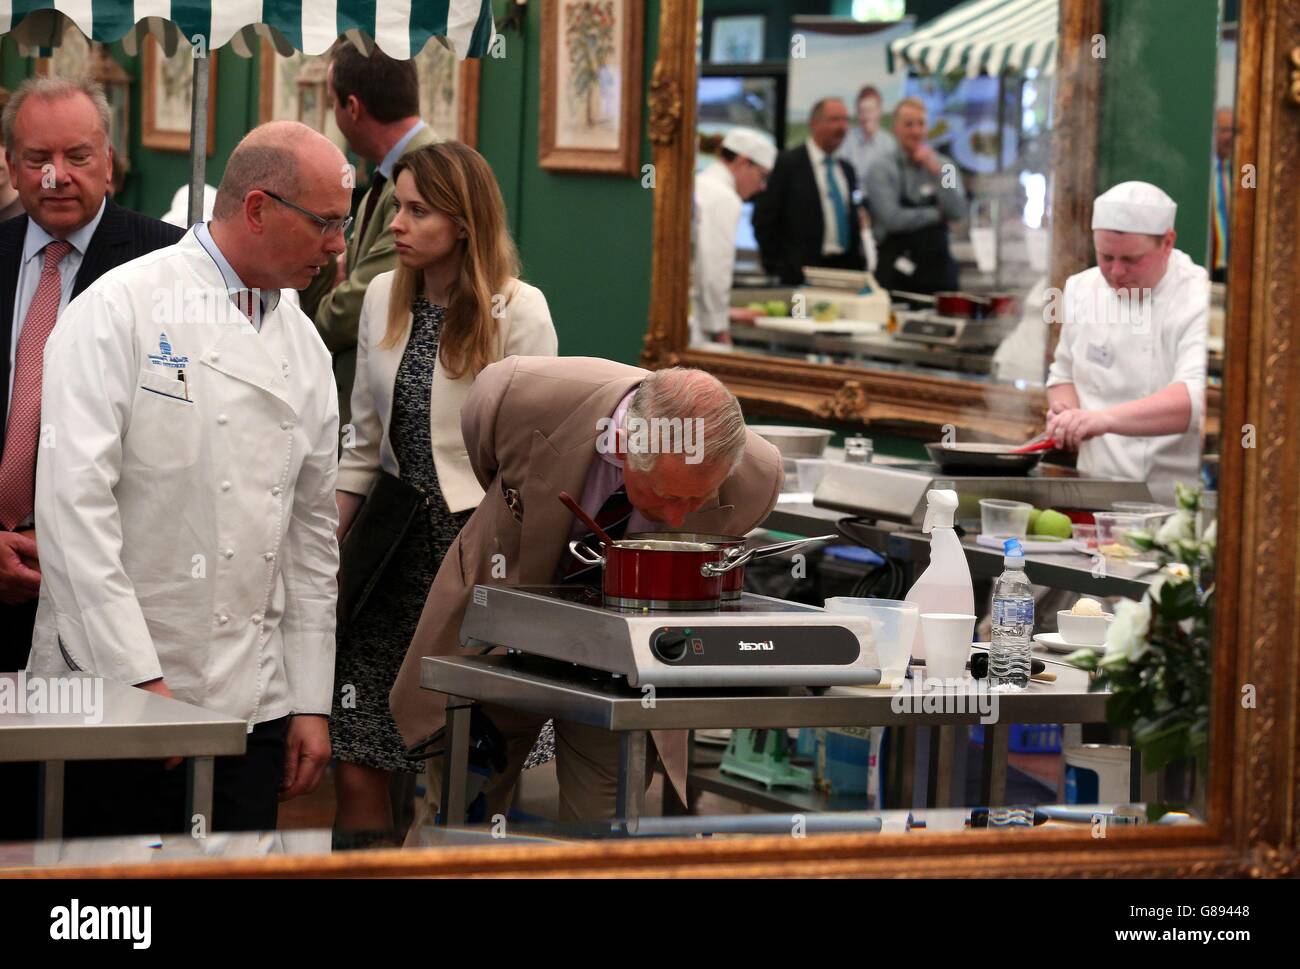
(1255, 748)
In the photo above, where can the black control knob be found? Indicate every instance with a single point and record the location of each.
(670, 646)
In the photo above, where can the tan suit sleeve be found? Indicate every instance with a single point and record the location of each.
(478, 418)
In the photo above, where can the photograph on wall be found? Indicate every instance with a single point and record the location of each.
(737, 40)
(167, 86)
(591, 85)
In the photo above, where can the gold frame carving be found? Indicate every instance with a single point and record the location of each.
(1254, 780)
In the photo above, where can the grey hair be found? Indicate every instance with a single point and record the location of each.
(51, 88)
(685, 393)
(265, 159)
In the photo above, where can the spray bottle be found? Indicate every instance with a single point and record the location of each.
(945, 585)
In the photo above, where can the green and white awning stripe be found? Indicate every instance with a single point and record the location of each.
(982, 36)
(399, 27)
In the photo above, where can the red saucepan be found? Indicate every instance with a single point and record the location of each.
(653, 571)
(961, 305)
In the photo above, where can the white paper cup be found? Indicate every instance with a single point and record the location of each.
(947, 637)
(893, 626)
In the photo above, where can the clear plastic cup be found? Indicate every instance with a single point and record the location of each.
(1085, 536)
(893, 626)
(1004, 518)
(947, 637)
(1113, 529)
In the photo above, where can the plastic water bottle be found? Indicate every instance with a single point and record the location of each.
(1013, 622)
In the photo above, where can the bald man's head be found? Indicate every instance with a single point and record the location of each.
(279, 210)
(278, 157)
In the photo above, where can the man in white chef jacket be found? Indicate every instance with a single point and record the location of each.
(185, 490)
(741, 171)
(1127, 385)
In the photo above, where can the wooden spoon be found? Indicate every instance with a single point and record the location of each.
(583, 517)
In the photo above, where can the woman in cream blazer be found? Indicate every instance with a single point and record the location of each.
(453, 306)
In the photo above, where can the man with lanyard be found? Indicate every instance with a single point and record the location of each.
(1127, 386)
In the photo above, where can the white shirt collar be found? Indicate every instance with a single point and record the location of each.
(270, 298)
(37, 238)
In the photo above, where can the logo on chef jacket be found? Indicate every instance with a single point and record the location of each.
(765, 646)
(165, 358)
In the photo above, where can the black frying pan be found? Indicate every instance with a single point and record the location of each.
(995, 459)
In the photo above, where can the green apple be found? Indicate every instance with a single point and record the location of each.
(1052, 522)
(777, 307)
(757, 307)
(1033, 520)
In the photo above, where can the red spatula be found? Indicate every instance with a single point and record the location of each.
(1041, 443)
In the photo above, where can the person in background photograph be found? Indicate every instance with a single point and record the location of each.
(453, 306)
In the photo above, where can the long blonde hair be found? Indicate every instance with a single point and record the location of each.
(455, 180)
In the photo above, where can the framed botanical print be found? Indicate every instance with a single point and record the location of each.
(591, 85)
(166, 97)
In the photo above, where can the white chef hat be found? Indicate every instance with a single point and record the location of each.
(1134, 207)
(751, 144)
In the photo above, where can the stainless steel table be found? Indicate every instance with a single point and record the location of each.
(131, 723)
(566, 692)
(1067, 571)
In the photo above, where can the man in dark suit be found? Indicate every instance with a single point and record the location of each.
(808, 216)
(60, 160)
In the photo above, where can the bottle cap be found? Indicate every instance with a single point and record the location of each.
(941, 509)
(1012, 553)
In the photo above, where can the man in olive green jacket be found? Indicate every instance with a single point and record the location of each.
(376, 104)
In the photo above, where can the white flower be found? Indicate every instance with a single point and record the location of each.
(1127, 635)
(1178, 570)
(1211, 536)
(1177, 526)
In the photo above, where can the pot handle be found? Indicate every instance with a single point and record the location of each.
(710, 569)
(581, 553)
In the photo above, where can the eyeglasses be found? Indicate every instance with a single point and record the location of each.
(327, 226)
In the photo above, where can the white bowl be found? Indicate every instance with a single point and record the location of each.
(1083, 630)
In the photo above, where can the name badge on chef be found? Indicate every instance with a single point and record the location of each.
(1102, 354)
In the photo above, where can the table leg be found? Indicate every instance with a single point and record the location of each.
(907, 778)
(455, 762)
(631, 775)
(670, 804)
(200, 771)
(50, 820)
(993, 785)
(943, 742)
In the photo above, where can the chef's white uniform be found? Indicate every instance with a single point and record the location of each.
(716, 217)
(1114, 354)
(187, 527)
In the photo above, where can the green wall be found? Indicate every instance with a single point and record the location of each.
(584, 239)
(1157, 106)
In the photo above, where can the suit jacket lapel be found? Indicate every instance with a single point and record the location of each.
(12, 234)
(112, 233)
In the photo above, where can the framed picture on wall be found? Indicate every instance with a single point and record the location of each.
(166, 97)
(591, 86)
(293, 89)
(737, 40)
(448, 93)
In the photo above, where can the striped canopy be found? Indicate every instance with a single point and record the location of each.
(982, 36)
(399, 27)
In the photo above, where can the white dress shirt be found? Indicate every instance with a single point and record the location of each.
(830, 232)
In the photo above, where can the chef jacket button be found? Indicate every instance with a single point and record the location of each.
(276, 491)
(229, 553)
(268, 555)
(223, 619)
(285, 425)
(225, 486)
(222, 418)
(214, 356)
(255, 618)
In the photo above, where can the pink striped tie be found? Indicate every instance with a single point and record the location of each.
(18, 468)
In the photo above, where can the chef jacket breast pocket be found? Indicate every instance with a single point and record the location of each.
(165, 430)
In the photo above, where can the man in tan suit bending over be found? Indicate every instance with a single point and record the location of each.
(536, 426)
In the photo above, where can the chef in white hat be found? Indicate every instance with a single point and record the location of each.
(741, 171)
(1127, 385)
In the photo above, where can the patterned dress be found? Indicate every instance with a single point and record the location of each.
(371, 651)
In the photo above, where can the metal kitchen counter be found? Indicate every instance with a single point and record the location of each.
(566, 692)
(132, 723)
